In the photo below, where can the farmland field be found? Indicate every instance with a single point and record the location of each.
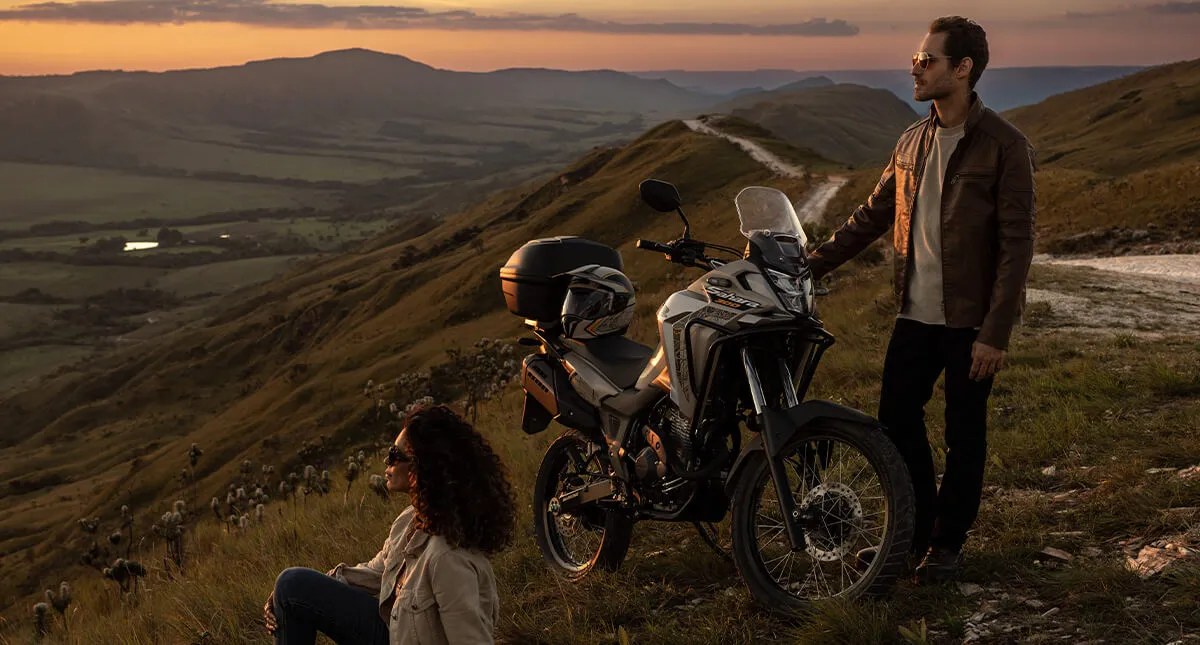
(72, 281)
(37, 193)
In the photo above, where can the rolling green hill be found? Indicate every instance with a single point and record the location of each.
(1137, 123)
(846, 123)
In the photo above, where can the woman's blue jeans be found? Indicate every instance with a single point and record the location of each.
(308, 601)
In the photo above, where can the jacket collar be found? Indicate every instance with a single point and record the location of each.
(975, 112)
(416, 543)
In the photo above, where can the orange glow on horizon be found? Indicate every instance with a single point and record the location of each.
(52, 48)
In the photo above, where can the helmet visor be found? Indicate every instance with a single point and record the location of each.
(587, 303)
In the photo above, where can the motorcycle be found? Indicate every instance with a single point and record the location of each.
(710, 423)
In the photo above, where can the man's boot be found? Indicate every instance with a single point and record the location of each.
(940, 564)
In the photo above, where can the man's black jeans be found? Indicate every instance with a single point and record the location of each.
(308, 601)
(916, 356)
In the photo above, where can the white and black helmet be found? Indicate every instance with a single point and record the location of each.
(599, 303)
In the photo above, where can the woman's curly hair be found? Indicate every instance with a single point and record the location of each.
(460, 487)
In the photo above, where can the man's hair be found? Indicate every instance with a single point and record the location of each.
(461, 489)
(964, 39)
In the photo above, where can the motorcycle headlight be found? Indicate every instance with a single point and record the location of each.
(796, 292)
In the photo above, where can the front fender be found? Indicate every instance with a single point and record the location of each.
(784, 425)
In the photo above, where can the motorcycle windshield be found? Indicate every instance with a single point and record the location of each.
(763, 209)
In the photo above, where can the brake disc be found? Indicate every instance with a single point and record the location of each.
(836, 518)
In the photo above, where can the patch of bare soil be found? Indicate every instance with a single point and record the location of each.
(1149, 296)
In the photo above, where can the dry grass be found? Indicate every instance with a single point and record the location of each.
(1131, 124)
(1101, 410)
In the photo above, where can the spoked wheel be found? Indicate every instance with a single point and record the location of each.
(574, 543)
(852, 492)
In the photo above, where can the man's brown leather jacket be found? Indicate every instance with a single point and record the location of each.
(987, 221)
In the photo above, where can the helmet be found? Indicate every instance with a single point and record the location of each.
(599, 303)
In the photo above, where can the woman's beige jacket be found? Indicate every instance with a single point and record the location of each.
(430, 593)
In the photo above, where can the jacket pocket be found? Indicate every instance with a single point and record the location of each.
(415, 621)
(974, 175)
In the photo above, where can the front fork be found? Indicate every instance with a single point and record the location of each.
(774, 427)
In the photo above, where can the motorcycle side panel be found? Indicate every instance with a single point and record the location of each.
(548, 383)
(731, 296)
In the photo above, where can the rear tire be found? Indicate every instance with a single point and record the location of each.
(832, 542)
(575, 544)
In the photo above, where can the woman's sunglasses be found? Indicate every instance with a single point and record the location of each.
(396, 455)
(922, 59)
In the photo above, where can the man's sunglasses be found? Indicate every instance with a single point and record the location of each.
(396, 455)
(922, 59)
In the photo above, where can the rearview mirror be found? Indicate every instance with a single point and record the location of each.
(660, 195)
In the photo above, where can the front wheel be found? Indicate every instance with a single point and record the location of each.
(852, 492)
(575, 543)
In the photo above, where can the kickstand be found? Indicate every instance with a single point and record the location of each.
(708, 533)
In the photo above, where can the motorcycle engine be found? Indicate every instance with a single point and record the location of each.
(674, 430)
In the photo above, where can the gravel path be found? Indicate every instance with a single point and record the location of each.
(756, 152)
(811, 208)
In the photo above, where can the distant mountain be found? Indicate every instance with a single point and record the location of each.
(1001, 88)
(806, 84)
(725, 83)
(88, 118)
(354, 82)
(846, 123)
(1136, 123)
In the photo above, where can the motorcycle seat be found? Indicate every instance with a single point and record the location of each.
(620, 360)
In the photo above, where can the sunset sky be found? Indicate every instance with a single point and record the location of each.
(61, 37)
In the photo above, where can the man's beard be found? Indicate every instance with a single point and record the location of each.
(937, 89)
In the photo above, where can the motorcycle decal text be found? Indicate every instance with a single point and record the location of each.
(729, 299)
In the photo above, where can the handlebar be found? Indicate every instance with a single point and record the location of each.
(651, 245)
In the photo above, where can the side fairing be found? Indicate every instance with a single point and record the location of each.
(730, 296)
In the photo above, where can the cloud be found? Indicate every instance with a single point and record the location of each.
(1173, 8)
(279, 14)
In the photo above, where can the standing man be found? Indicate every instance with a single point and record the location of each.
(959, 192)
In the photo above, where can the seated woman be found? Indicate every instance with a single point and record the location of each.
(431, 582)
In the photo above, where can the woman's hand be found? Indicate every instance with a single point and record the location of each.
(269, 614)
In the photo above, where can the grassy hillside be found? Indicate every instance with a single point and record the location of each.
(846, 123)
(1102, 411)
(1134, 124)
(285, 362)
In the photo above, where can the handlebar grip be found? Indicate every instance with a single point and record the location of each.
(651, 245)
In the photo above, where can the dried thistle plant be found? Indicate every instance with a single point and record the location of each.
(378, 485)
(351, 474)
(194, 455)
(171, 528)
(40, 626)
